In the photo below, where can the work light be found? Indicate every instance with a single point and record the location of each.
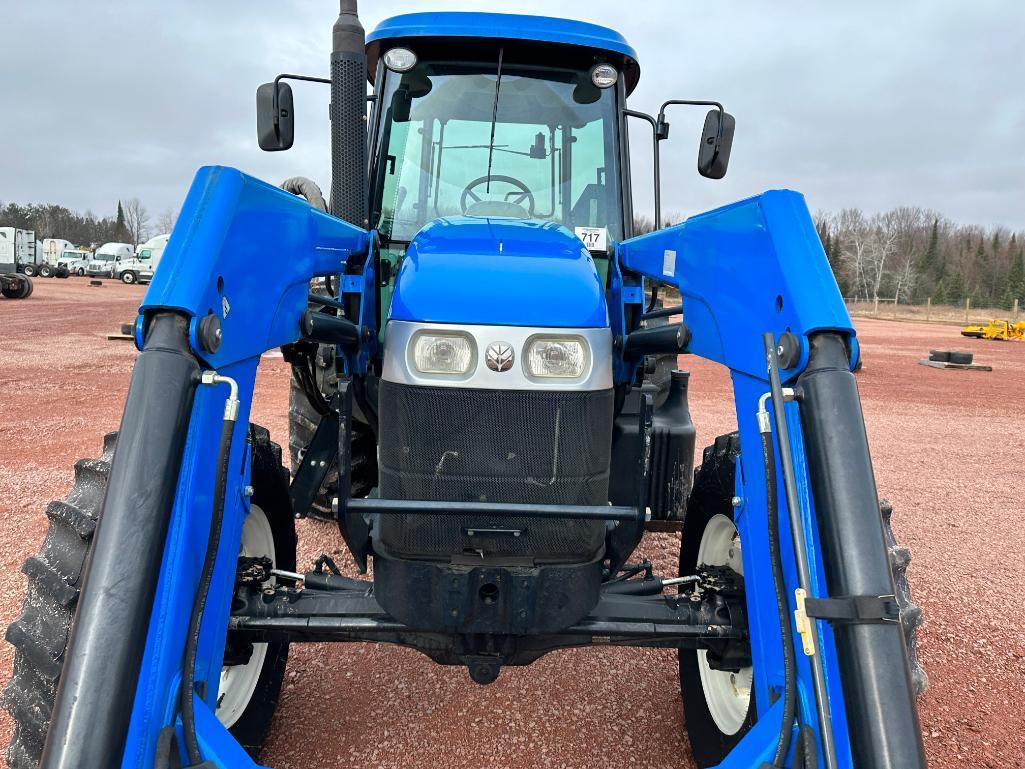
(443, 353)
(400, 59)
(604, 75)
(556, 357)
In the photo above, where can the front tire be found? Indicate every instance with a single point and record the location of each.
(40, 635)
(718, 705)
(248, 694)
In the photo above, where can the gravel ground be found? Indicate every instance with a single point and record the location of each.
(947, 445)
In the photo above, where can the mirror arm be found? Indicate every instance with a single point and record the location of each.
(274, 96)
(662, 127)
(658, 165)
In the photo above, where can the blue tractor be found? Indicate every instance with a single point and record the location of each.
(486, 400)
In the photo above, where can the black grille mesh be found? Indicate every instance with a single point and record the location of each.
(539, 447)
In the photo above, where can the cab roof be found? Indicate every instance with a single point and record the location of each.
(504, 26)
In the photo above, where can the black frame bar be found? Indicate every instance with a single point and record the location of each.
(433, 507)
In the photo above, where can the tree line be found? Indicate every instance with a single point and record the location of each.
(911, 254)
(130, 224)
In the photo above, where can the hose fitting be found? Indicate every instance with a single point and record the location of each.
(231, 404)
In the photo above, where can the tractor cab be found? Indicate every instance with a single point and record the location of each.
(506, 136)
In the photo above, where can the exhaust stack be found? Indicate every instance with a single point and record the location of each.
(349, 117)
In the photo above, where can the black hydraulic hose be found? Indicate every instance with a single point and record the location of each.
(801, 558)
(199, 605)
(782, 608)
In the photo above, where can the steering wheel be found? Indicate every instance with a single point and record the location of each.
(524, 193)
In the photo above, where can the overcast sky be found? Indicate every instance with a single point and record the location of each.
(869, 104)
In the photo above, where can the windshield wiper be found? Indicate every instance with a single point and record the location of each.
(494, 116)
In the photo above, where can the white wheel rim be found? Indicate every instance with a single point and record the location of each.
(728, 695)
(238, 682)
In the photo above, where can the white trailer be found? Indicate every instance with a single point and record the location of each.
(18, 252)
(54, 248)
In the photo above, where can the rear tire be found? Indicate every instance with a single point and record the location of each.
(45, 271)
(40, 635)
(128, 277)
(29, 269)
(718, 706)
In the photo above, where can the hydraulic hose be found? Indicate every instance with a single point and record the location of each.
(186, 693)
(789, 659)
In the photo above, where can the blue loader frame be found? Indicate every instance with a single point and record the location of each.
(234, 284)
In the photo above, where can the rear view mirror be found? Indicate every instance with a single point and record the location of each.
(716, 143)
(401, 105)
(275, 123)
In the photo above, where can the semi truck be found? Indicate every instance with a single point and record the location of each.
(104, 261)
(139, 268)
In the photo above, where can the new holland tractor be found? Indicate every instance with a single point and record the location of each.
(486, 399)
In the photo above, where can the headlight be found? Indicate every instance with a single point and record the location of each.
(399, 59)
(557, 357)
(443, 353)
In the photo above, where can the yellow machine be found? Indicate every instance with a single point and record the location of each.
(1002, 330)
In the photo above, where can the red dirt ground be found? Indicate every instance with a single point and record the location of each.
(948, 449)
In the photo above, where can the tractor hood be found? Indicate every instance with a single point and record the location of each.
(491, 271)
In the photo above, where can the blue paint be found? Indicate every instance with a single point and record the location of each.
(503, 26)
(245, 251)
(749, 267)
(157, 691)
(504, 272)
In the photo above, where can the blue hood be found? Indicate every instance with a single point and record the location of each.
(504, 272)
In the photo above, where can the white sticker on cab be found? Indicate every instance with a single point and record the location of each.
(594, 238)
(669, 263)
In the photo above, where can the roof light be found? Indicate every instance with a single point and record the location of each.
(400, 59)
(604, 75)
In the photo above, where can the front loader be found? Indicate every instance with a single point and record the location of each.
(486, 400)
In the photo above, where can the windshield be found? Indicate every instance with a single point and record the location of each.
(104, 257)
(553, 158)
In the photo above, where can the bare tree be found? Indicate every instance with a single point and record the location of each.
(136, 220)
(882, 243)
(854, 233)
(165, 222)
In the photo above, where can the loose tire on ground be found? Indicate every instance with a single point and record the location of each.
(963, 358)
(41, 633)
(939, 356)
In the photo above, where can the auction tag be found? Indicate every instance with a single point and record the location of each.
(669, 263)
(594, 238)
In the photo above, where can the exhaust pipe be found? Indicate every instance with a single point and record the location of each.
(349, 118)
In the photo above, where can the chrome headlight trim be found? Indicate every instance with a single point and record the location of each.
(399, 368)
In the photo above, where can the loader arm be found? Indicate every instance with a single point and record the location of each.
(753, 267)
(234, 284)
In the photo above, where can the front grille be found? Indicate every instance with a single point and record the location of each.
(456, 444)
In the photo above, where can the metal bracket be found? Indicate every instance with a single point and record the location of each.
(871, 609)
(804, 625)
